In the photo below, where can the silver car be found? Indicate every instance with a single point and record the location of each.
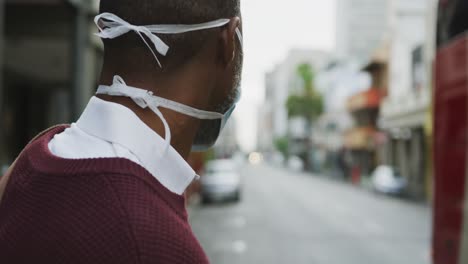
(221, 181)
(388, 180)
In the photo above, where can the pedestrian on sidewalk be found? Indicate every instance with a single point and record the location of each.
(109, 188)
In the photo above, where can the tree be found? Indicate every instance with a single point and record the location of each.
(307, 75)
(305, 106)
(308, 103)
(282, 145)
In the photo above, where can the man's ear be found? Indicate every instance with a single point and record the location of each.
(228, 41)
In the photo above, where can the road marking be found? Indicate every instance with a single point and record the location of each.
(236, 222)
(239, 247)
(236, 247)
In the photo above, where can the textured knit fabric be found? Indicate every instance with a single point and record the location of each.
(107, 210)
(110, 130)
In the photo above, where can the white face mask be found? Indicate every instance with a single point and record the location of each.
(115, 27)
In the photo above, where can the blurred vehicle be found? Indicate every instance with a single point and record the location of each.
(255, 158)
(277, 159)
(221, 181)
(3, 170)
(239, 158)
(295, 163)
(388, 180)
(450, 220)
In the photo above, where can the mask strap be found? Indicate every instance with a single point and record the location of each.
(120, 27)
(146, 99)
(239, 36)
(111, 26)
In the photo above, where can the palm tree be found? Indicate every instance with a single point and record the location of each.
(308, 103)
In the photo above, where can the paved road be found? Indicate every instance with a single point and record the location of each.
(296, 218)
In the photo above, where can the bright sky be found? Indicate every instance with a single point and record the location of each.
(271, 29)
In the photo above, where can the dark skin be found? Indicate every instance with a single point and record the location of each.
(204, 82)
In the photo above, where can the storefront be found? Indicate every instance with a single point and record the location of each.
(405, 117)
(361, 142)
(407, 147)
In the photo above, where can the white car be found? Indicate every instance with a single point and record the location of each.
(385, 179)
(221, 181)
(296, 164)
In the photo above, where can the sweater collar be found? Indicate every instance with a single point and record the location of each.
(119, 125)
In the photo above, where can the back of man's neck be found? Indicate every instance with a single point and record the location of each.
(189, 86)
(182, 128)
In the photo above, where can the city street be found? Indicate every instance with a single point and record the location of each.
(288, 217)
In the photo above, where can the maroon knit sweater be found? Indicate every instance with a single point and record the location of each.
(107, 210)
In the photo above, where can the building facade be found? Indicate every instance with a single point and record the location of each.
(361, 27)
(363, 140)
(227, 145)
(265, 134)
(405, 112)
(49, 66)
(328, 142)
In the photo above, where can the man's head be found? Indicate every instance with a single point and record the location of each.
(216, 51)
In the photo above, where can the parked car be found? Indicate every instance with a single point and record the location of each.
(388, 180)
(295, 163)
(221, 181)
(3, 169)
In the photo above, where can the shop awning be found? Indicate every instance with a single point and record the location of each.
(364, 100)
